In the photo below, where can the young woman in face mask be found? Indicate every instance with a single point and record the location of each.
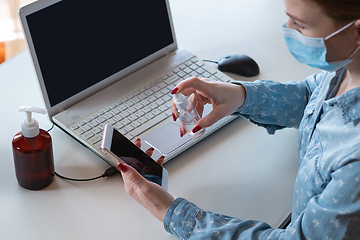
(325, 107)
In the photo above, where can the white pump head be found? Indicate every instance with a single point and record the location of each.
(30, 127)
(180, 102)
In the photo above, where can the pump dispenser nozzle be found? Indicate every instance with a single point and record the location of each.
(187, 115)
(180, 101)
(30, 127)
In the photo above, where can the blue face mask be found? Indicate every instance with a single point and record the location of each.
(312, 51)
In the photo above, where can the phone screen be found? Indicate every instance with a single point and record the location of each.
(134, 156)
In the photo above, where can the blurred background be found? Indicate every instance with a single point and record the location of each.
(11, 36)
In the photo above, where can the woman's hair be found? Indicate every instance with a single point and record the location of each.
(341, 11)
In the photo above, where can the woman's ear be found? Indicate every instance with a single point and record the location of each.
(357, 25)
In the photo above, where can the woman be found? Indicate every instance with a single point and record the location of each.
(323, 34)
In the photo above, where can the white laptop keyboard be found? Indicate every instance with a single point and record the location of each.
(145, 107)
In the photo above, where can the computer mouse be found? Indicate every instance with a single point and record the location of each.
(240, 64)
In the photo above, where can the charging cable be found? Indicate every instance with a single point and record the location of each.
(108, 173)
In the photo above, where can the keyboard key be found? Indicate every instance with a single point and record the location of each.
(122, 107)
(87, 120)
(166, 98)
(171, 79)
(187, 70)
(135, 99)
(96, 130)
(155, 89)
(153, 105)
(101, 119)
(159, 101)
(118, 118)
(151, 98)
(81, 123)
(163, 108)
(94, 123)
(131, 110)
(124, 114)
(142, 96)
(99, 113)
(146, 109)
(194, 60)
(87, 135)
(140, 113)
(118, 125)
(74, 127)
(193, 67)
(143, 119)
(145, 102)
(125, 121)
(95, 139)
(106, 109)
(136, 124)
(110, 121)
(149, 92)
(129, 103)
(165, 91)
(128, 128)
(108, 115)
(148, 124)
(115, 111)
(158, 94)
(86, 128)
(181, 74)
(79, 131)
(138, 106)
(161, 85)
(149, 115)
(156, 111)
(132, 117)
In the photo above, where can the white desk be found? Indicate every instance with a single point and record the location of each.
(239, 170)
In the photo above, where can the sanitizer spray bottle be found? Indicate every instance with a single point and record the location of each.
(188, 115)
(33, 153)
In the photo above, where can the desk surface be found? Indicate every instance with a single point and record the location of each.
(240, 170)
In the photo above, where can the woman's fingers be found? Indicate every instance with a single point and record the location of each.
(150, 152)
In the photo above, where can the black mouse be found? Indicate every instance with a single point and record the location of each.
(240, 64)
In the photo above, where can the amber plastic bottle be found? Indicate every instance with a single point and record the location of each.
(33, 154)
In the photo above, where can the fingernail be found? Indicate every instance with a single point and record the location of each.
(181, 133)
(196, 129)
(137, 140)
(174, 117)
(151, 149)
(174, 91)
(122, 167)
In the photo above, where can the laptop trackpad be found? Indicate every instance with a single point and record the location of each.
(166, 138)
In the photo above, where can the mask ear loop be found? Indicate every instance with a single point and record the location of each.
(340, 30)
(354, 52)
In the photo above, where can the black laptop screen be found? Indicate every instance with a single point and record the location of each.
(79, 43)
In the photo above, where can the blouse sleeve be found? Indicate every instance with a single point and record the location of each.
(333, 214)
(275, 105)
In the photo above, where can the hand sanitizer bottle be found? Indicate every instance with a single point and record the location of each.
(33, 153)
(188, 115)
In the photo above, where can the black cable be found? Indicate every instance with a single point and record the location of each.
(109, 172)
(211, 61)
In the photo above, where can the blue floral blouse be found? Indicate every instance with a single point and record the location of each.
(327, 189)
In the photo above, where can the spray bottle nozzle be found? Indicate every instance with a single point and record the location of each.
(30, 127)
(180, 101)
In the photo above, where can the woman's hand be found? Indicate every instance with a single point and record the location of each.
(150, 195)
(225, 99)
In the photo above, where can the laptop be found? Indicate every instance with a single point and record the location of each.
(112, 62)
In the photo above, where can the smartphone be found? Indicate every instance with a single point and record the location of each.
(122, 149)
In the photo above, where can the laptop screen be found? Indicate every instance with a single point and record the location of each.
(80, 43)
